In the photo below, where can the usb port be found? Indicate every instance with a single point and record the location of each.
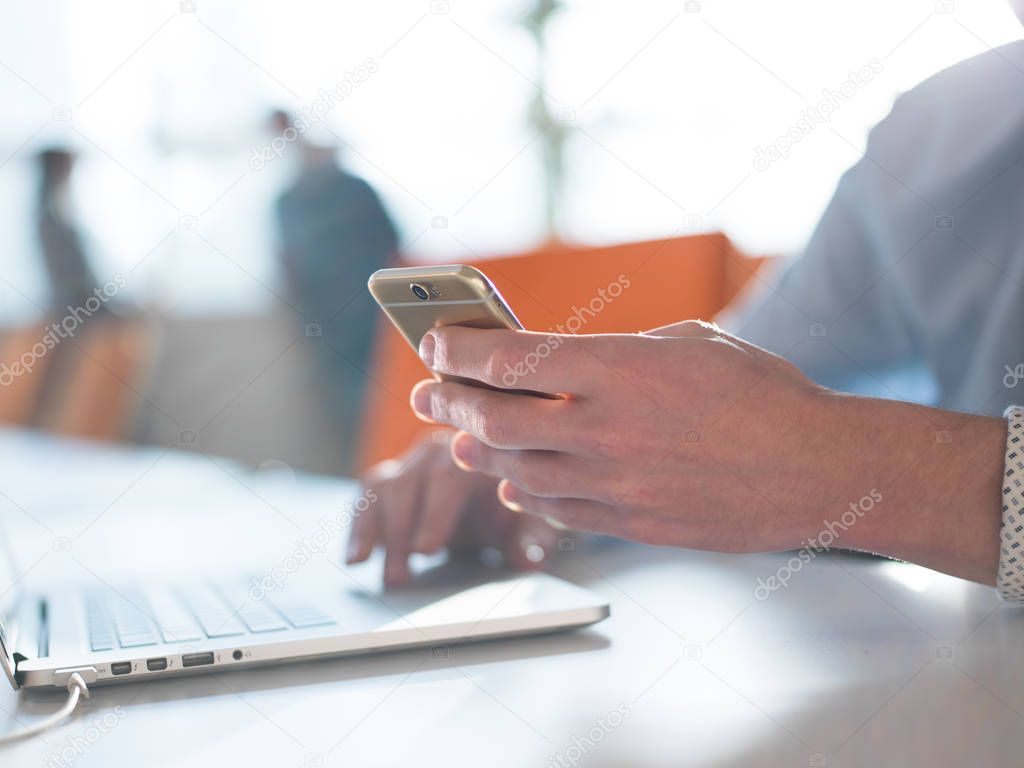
(197, 659)
(156, 664)
(120, 668)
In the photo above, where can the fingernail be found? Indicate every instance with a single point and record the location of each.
(462, 449)
(507, 495)
(427, 345)
(421, 401)
(352, 550)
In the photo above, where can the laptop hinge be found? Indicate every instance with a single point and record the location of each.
(43, 633)
(31, 636)
(8, 659)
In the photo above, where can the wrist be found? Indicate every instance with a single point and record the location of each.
(937, 476)
(840, 440)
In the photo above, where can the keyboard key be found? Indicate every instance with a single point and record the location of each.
(304, 621)
(134, 640)
(221, 625)
(180, 634)
(133, 627)
(303, 615)
(191, 615)
(259, 618)
(114, 622)
(101, 640)
(214, 618)
(175, 623)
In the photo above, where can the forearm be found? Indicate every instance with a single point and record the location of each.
(938, 475)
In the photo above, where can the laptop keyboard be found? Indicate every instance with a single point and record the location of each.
(139, 619)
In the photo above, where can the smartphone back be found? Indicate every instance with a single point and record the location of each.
(417, 299)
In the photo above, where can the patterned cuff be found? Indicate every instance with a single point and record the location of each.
(1010, 579)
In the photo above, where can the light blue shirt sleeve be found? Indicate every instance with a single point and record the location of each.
(918, 260)
(828, 311)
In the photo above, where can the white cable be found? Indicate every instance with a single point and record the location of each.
(76, 688)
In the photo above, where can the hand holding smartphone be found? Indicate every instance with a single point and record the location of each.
(417, 299)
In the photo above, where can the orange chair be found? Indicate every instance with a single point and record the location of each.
(101, 392)
(668, 280)
(86, 387)
(21, 390)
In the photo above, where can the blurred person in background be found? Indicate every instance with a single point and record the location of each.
(918, 259)
(333, 233)
(71, 279)
(79, 304)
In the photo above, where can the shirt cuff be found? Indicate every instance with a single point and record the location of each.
(1010, 577)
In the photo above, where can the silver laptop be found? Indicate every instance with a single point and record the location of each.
(112, 633)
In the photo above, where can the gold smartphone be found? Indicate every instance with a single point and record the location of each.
(417, 299)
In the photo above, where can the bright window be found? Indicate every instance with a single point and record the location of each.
(665, 107)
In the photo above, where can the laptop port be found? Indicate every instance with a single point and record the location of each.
(197, 659)
(154, 665)
(120, 668)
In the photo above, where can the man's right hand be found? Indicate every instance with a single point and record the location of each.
(426, 503)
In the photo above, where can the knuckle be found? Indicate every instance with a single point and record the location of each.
(440, 403)
(607, 444)
(490, 423)
(700, 328)
(444, 351)
(499, 362)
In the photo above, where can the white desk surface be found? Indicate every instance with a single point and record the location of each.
(858, 662)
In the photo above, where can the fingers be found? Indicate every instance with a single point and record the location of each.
(509, 359)
(530, 542)
(363, 536)
(497, 418)
(421, 506)
(398, 500)
(578, 514)
(439, 516)
(550, 474)
(366, 528)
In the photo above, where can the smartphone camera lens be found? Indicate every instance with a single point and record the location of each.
(419, 291)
